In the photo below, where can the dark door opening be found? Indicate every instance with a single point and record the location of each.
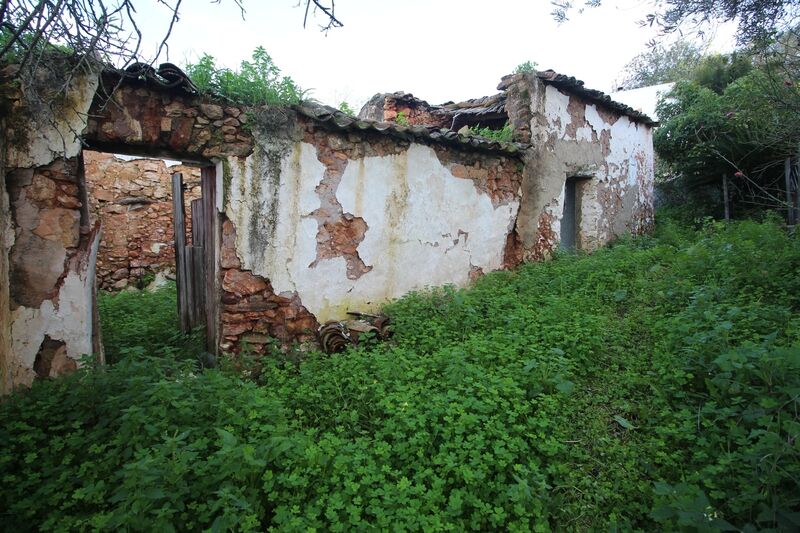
(571, 217)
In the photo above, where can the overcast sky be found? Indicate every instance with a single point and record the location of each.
(439, 50)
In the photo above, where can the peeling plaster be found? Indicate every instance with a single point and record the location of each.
(66, 318)
(426, 227)
(576, 138)
(55, 133)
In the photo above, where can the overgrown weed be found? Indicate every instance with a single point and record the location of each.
(649, 386)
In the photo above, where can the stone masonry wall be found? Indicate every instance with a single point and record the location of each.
(51, 239)
(51, 246)
(133, 200)
(314, 219)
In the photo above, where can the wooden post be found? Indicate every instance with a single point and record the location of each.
(198, 223)
(211, 238)
(179, 226)
(198, 286)
(787, 172)
(725, 199)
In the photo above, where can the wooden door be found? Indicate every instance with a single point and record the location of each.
(195, 263)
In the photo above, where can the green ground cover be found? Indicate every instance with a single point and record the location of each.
(135, 323)
(651, 386)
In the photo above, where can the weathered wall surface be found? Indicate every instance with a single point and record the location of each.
(342, 222)
(133, 201)
(6, 240)
(140, 120)
(319, 214)
(51, 272)
(571, 137)
(52, 257)
(387, 107)
(50, 245)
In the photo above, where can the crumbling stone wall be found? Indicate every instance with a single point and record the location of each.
(338, 221)
(141, 120)
(54, 243)
(573, 137)
(315, 217)
(50, 243)
(133, 201)
(387, 107)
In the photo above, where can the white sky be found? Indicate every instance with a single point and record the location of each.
(439, 50)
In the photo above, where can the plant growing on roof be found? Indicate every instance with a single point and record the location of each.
(401, 118)
(504, 134)
(344, 107)
(527, 66)
(258, 81)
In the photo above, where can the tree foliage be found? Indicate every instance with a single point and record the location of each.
(717, 71)
(662, 64)
(757, 19)
(710, 127)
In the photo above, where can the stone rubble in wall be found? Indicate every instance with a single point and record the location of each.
(174, 122)
(47, 212)
(251, 310)
(252, 314)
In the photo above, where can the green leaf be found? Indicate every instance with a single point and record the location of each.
(624, 422)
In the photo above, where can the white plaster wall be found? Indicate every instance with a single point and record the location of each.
(425, 228)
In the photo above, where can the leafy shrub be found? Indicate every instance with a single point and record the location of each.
(256, 82)
(504, 134)
(651, 386)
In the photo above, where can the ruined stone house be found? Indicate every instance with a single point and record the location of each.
(310, 213)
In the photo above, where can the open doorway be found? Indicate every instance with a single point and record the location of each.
(571, 217)
(132, 197)
(148, 225)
